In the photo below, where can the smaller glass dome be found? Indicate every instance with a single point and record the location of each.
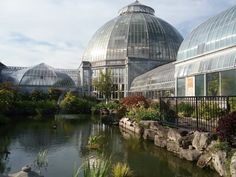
(42, 75)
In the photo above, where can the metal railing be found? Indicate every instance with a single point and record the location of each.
(196, 112)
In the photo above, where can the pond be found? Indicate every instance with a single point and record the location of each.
(66, 146)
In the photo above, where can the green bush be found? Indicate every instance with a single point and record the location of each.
(141, 113)
(112, 105)
(23, 108)
(185, 109)
(6, 100)
(74, 105)
(208, 110)
(46, 107)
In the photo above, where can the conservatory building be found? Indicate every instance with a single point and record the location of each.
(206, 62)
(129, 45)
(40, 77)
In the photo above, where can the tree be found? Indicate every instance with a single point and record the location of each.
(104, 83)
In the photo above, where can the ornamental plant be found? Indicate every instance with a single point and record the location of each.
(134, 101)
(226, 129)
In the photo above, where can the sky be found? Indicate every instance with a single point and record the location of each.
(57, 32)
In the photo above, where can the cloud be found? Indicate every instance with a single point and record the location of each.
(57, 31)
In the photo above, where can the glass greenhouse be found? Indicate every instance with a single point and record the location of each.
(206, 62)
(40, 76)
(155, 83)
(130, 45)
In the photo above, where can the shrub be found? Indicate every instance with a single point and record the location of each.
(134, 101)
(74, 105)
(23, 108)
(46, 107)
(141, 113)
(38, 95)
(6, 100)
(209, 110)
(226, 129)
(185, 109)
(54, 94)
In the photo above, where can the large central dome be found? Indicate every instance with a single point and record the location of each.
(135, 33)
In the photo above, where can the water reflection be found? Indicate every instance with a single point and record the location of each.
(67, 146)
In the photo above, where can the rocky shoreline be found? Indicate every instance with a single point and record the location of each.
(196, 146)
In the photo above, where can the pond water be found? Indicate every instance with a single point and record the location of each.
(66, 148)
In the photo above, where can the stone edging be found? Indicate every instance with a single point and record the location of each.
(190, 145)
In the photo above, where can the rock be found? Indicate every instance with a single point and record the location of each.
(186, 141)
(201, 140)
(154, 125)
(219, 162)
(160, 141)
(173, 135)
(173, 147)
(149, 134)
(190, 155)
(26, 168)
(25, 174)
(233, 166)
(204, 160)
(129, 125)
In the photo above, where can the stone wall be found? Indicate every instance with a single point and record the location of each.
(190, 145)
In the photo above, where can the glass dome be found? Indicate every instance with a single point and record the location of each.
(42, 75)
(217, 33)
(135, 33)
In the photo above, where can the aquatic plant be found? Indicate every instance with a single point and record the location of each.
(95, 142)
(41, 160)
(98, 167)
(121, 170)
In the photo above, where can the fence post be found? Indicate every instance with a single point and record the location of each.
(197, 110)
(176, 110)
(160, 108)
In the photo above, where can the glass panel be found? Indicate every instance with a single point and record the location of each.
(199, 85)
(181, 87)
(228, 82)
(213, 84)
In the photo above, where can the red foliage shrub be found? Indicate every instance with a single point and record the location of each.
(226, 129)
(133, 101)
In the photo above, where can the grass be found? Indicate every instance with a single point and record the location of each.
(121, 170)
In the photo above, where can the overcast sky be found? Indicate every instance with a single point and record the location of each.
(56, 32)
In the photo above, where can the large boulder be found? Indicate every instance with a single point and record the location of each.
(190, 155)
(160, 141)
(174, 135)
(25, 172)
(149, 134)
(130, 125)
(186, 141)
(219, 162)
(233, 166)
(204, 160)
(201, 140)
(172, 147)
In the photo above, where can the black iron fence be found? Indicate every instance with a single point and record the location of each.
(196, 113)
